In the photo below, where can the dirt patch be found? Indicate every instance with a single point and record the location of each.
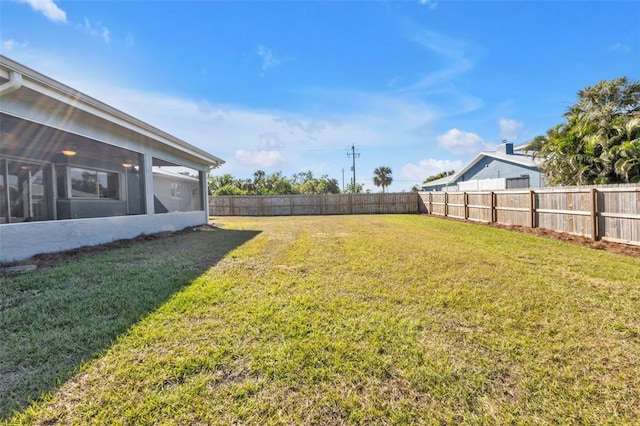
(625, 249)
(47, 260)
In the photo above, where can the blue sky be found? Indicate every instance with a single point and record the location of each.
(419, 86)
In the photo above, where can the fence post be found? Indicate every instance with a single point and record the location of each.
(532, 208)
(594, 215)
(494, 217)
(465, 201)
(446, 206)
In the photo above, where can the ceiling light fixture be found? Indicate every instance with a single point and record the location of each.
(69, 152)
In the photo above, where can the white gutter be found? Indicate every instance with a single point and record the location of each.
(14, 83)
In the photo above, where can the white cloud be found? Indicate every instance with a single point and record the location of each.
(431, 4)
(456, 53)
(261, 159)
(429, 167)
(270, 140)
(96, 30)
(509, 129)
(129, 40)
(10, 45)
(106, 34)
(459, 142)
(49, 9)
(309, 128)
(268, 60)
(438, 85)
(620, 47)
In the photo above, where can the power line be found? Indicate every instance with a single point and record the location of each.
(354, 155)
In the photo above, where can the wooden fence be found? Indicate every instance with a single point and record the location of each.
(609, 213)
(320, 204)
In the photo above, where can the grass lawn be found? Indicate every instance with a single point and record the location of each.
(385, 319)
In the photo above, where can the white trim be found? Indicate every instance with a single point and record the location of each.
(65, 94)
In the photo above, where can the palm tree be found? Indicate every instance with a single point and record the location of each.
(382, 177)
(627, 154)
(600, 141)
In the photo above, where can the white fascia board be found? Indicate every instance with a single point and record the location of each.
(522, 160)
(477, 158)
(441, 181)
(526, 161)
(65, 94)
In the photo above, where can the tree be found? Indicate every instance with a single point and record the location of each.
(535, 145)
(306, 183)
(278, 184)
(229, 190)
(382, 177)
(627, 153)
(273, 184)
(600, 141)
(358, 188)
(327, 185)
(259, 185)
(439, 176)
(216, 182)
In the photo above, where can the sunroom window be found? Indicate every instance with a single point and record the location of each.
(88, 183)
(176, 188)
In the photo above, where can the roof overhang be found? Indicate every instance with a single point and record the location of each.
(522, 160)
(18, 77)
(442, 181)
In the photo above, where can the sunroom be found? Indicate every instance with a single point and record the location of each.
(75, 171)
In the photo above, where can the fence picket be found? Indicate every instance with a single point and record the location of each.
(610, 212)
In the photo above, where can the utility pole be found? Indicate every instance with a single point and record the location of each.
(354, 155)
(343, 179)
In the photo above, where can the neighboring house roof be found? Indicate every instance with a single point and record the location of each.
(172, 174)
(442, 181)
(20, 76)
(516, 158)
(519, 157)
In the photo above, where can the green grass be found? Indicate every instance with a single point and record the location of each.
(54, 320)
(338, 320)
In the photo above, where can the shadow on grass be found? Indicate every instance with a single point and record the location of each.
(54, 320)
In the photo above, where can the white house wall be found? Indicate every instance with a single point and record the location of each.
(67, 117)
(20, 241)
(482, 185)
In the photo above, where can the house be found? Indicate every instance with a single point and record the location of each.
(75, 171)
(505, 168)
(175, 191)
